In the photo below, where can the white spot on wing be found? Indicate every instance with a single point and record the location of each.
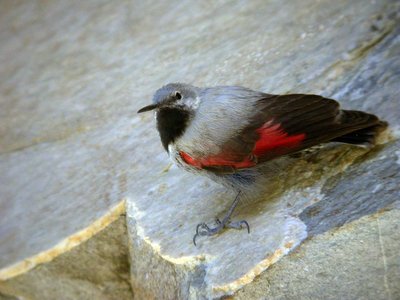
(171, 149)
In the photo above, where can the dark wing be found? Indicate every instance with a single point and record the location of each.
(282, 125)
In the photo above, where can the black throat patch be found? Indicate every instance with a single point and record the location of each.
(171, 124)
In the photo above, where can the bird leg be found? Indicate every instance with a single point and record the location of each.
(203, 229)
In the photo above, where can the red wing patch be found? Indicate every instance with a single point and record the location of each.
(216, 161)
(274, 141)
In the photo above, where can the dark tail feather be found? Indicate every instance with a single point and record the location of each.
(365, 136)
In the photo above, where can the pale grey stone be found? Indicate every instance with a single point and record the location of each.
(73, 75)
(357, 261)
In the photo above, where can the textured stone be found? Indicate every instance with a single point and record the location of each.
(369, 185)
(357, 261)
(6, 297)
(345, 53)
(95, 269)
(72, 147)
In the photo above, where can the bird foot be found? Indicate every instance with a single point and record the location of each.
(203, 229)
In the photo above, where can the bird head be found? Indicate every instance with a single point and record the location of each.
(175, 105)
(175, 96)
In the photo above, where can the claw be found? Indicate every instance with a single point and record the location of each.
(239, 225)
(203, 229)
(197, 227)
(194, 239)
(246, 224)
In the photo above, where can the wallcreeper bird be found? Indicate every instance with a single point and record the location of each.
(228, 132)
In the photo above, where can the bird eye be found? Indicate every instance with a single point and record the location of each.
(178, 95)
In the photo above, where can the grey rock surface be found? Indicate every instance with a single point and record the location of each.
(72, 147)
(369, 185)
(340, 58)
(357, 261)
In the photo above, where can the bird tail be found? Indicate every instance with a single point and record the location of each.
(365, 136)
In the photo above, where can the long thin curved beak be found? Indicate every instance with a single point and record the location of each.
(147, 108)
